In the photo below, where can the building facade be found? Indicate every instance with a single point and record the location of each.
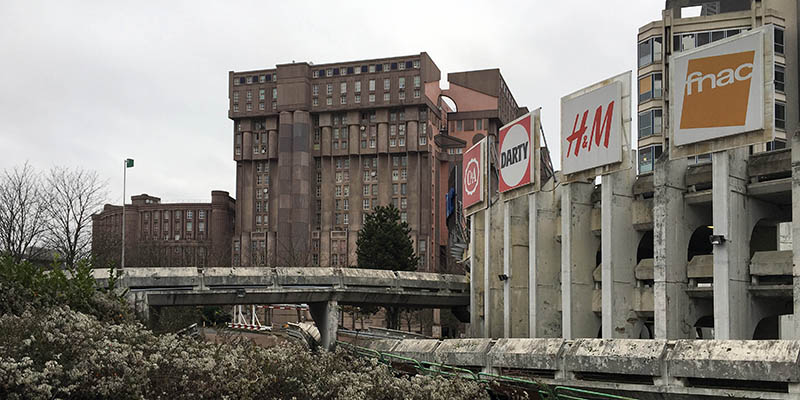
(317, 147)
(658, 40)
(165, 234)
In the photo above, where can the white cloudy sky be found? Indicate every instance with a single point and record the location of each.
(90, 83)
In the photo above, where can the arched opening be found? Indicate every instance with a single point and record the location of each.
(704, 327)
(449, 103)
(764, 237)
(768, 328)
(699, 243)
(477, 138)
(645, 249)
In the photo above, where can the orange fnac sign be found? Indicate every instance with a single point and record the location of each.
(717, 91)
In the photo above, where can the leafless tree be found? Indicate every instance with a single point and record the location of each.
(22, 212)
(75, 195)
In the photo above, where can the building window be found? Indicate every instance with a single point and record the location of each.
(261, 106)
(778, 40)
(372, 85)
(357, 98)
(372, 68)
(330, 89)
(780, 115)
(416, 93)
(687, 41)
(365, 202)
(649, 123)
(401, 95)
(459, 126)
(346, 218)
(647, 158)
(329, 101)
(315, 90)
(235, 97)
(235, 108)
(329, 72)
(386, 96)
(357, 87)
(387, 84)
(416, 81)
(262, 94)
(780, 76)
(188, 226)
(403, 216)
(371, 98)
(343, 100)
(315, 101)
(401, 83)
(776, 144)
(423, 140)
(650, 87)
(343, 87)
(650, 51)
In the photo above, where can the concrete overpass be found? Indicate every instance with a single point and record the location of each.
(323, 289)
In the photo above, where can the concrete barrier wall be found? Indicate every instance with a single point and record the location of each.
(683, 369)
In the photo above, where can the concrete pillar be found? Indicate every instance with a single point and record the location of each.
(515, 266)
(544, 264)
(507, 269)
(326, 317)
(474, 274)
(301, 188)
(674, 313)
(731, 258)
(487, 292)
(795, 331)
(283, 190)
(578, 254)
(619, 242)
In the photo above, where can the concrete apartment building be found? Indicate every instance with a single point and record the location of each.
(717, 20)
(319, 146)
(165, 234)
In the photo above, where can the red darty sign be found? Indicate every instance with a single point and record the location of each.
(516, 147)
(473, 165)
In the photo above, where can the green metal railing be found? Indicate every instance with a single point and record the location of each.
(544, 391)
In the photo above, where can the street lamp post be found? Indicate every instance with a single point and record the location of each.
(128, 164)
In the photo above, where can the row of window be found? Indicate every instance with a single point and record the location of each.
(467, 125)
(177, 214)
(263, 78)
(387, 85)
(651, 49)
(262, 95)
(401, 95)
(363, 69)
(249, 107)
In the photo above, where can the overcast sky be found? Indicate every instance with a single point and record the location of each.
(88, 84)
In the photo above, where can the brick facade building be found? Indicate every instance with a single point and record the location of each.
(165, 234)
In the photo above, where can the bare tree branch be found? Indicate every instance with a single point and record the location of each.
(23, 203)
(76, 195)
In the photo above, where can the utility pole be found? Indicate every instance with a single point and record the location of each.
(128, 164)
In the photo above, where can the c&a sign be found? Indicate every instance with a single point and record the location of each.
(473, 166)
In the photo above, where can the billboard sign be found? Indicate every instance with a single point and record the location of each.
(723, 94)
(516, 154)
(473, 166)
(591, 128)
(719, 90)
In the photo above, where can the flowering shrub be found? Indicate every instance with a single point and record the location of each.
(61, 353)
(58, 340)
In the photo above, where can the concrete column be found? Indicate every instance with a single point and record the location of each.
(731, 258)
(326, 317)
(507, 269)
(518, 291)
(544, 264)
(673, 312)
(619, 242)
(301, 187)
(474, 317)
(283, 189)
(487, 292)
(578, 254)
(796, 232)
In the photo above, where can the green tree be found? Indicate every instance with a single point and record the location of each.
(384, 243)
